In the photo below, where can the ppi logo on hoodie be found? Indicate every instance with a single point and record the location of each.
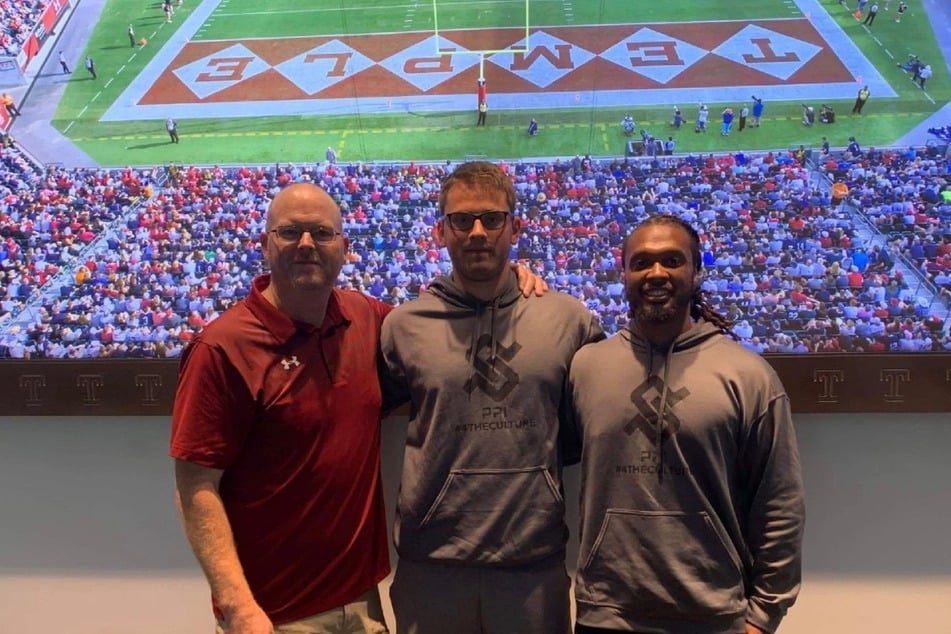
(648, 399)
(494, 376)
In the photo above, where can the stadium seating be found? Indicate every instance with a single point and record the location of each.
(900, 193)
(133, 263)
(18, 18)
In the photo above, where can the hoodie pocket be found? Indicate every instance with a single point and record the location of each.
(495, 516)
(662, 564)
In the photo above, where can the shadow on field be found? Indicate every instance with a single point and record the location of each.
(146, 146)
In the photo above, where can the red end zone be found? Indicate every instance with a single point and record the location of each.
(599, 58)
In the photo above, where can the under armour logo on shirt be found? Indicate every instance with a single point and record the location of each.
(288, 363)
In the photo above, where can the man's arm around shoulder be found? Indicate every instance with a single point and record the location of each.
(209, 533)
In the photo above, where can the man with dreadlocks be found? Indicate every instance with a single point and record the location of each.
(691, 496)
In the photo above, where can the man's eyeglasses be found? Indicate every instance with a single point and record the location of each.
(463, 220)
(292, 233)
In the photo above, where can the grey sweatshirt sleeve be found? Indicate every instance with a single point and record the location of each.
(569, 434)
(393, 384)
(777, 514)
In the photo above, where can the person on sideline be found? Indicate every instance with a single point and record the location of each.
(902, 7)
(627, 125)
(808, 115)
(172, 128)
(10, 105)
(860, 99)
(758, 108)
(702, 115)
(826, 114)
(727, 116)
(692, 507)
(276, 438)
(480, 527)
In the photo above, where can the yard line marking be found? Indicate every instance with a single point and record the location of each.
(242, 14)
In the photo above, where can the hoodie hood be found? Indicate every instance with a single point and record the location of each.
(701, 332)
(446, 289)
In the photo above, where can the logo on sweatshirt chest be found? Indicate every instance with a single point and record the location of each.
(493, 373)
(647, 399)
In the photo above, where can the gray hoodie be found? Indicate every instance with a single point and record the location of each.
(697, 528)
(482, 472)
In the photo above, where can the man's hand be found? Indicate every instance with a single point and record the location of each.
(528, 282)
(248, 620)
(752, 629)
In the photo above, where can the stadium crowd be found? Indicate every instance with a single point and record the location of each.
(132, 263)
(18, 17)
(906, 195)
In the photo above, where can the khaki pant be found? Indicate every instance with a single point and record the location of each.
(431, 598)
(362, 616)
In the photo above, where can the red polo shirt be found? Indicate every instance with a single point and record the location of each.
(291, 413)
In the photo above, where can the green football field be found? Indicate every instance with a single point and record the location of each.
(361, 120)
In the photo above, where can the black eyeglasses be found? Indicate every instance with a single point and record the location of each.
(293, 233)
(463, 220)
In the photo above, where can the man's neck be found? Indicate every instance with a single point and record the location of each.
(309, 309)
(663, 335)
(485, 291)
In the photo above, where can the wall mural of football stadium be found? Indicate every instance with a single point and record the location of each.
(814, 242)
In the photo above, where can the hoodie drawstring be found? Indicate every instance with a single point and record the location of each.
(476, 335)
(495, 341)
(701, 331)
(662, 414)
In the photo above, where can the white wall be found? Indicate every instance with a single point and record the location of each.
(90, 544)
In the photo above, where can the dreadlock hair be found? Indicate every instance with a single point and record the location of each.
(700, 308)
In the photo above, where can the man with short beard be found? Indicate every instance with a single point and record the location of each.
(691, 495)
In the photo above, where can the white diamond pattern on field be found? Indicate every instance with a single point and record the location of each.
(654, 55)
(549, 59)
(767, 51)
(323, 66)
(217, 71)
(421, 66)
